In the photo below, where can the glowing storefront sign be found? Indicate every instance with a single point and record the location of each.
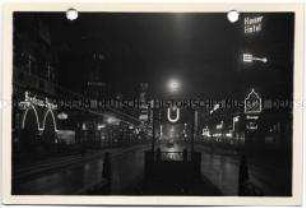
(253, 24)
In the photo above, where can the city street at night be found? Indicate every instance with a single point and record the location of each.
(150, 104)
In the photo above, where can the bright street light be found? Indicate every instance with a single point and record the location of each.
(173, 85)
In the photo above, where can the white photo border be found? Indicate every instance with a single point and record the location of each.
(8, 10)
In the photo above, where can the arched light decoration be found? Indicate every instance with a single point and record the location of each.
(29, 107)
(29, 104)
(39, 128)
(176, 118)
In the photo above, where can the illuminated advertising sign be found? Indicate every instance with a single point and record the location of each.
(253, 24)
(252, 107)
(173, 119)
(252, 103)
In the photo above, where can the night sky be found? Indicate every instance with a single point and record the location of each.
(200, 50)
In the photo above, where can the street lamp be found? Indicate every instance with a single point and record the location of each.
(174, 85)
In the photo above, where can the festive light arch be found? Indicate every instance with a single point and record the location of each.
(39, 128)
(31, 106)
(173, 120)
(49, 111)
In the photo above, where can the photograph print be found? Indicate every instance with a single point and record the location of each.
(152, 103)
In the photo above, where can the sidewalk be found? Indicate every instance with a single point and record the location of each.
(223, 169)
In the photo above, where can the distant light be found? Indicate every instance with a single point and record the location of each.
(236, 118)
(216, 107)
(72, 14)
(174, 85)
(161, 130)
(137, 131)
(62, 116)
(219, 126)
(217, 135)
(264, 60)
(230, 135)
(205, 132)
(112, 120)
(233, 16)
(101, 126)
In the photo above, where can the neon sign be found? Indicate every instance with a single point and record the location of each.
(177, 117)
(249, 58)
(39, 102)
(253, 24)
(252, 103)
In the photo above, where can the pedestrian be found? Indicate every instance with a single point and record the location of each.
(243, 176)
(107, 172)
(185, 155)
(158, 155)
